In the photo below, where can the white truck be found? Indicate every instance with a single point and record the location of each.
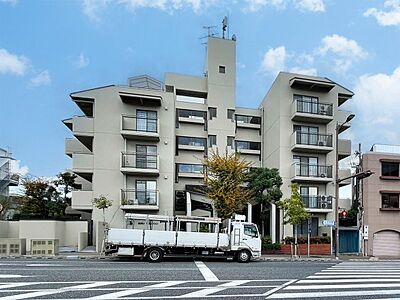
(154, 236)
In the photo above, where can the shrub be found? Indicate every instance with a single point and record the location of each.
(275, 246)
(313, 240)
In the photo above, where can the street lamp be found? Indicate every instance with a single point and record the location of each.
(337, 180)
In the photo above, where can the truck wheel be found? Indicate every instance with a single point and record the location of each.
(155, 255)
(243, 256)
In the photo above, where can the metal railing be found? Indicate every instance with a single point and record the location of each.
(244, 119)
(139, 197)
(139, 160)
(313, 139)
(310, 170)
(320, 201)
(141, 124)
(316, 108)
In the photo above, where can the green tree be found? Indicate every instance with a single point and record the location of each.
(225, 180)
(66, 181)
(266, 186)
(293, 209)
(102, 203)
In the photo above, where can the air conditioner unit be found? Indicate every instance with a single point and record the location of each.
(323, 175)
(323, 109)
(322, 143)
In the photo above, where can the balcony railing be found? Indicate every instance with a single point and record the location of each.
(139, 197)
(139, 160)
(313, 139)
(309, 170)
(140, 124)
(317, 202)
(316, 108)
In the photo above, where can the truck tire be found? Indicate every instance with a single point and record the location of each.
(243, 256)
(155, 255)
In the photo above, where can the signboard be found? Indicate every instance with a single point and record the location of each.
(329, 223)
(365, 232)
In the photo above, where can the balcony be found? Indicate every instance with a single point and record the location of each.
(191, 143)
(318, 85)
(82, 200)
(72, 145)
(191, 116)
(250, 122)
(140, 164)
(311, 173)
(82, 163)
(311, 142)
(245, 147)
(342, 116)
(140, 99)
(140, 128)
(318, 203)
(82, 126)
(344, 148)
(344, 173)
(315, 112)
(132, 199)
(190, 171)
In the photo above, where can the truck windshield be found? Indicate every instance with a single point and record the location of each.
(251, 230)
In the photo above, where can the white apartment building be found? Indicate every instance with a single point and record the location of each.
(142, 145)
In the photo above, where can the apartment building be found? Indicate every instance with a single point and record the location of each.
(380, 194)
(7, 179)
(143, 145)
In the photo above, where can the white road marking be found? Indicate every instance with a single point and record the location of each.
(350, 280)
(44, 265)
(344, 286)
(270, 292)
(356, 273)
(353, 276)
(207, 291)
(10, 285)
(116, 295)
(206, 272)
(2, 276)
(325, 294)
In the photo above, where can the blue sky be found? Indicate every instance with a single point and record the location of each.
(49, 49)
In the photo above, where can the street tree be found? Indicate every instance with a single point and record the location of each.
(293, 209)
(103, 203)
(266, 186)
(225, 180)
(66, 182)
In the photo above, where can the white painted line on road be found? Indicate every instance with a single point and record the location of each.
(343, 286)
(207, 291)
(353, 276)
(325, 294)
(44, 265)
(90, 285)
(350, 280)
(270, 292)
(10, 285)
(3, 276)
(206, 272)
(124, 293)
(235, 283)
(356, 273)
(358, 270)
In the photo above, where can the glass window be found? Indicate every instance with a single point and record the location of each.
(390, 200)
(191, 141)
(212, 140)
(212, 111)
(146, 120)
(190, 168)
(146, 192)
(248, 145)
(146, 157)
(222, 69)
(248, 119)
(390, 169)
(230, 113)
(229, 141)
(251, 230)
(193, 114)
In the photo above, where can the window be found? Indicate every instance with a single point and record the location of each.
(190, 168)
(146, 192)
(229, 141)
(146, 121)
(222, 69)
(191, 141)
(191, 114)
(390, 200)
(212, 111)
(306, 166)
(308, 135)
(309, 195)
(212, 140)
(146, 157)
(250, 230)
(390, 169)
(230, 113)
(248, 145)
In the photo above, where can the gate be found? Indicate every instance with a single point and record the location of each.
(348, 240)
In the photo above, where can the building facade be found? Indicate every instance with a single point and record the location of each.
(380, 194)
(142, 145)
(7, 178)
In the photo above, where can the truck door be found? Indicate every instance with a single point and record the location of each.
(251, 237)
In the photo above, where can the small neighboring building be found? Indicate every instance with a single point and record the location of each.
(7, 179)
(381, 200)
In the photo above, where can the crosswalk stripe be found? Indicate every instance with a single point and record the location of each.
(353, 276)
(325, 294)
(208, 291)
(344, 286)
(350, 280)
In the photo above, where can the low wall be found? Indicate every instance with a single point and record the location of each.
(315, 249)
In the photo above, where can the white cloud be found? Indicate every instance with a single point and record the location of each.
(274, 60)
(92, 9)
(11, 2)
(42, 78)
(311, 5)
(255, 5)
(16, 168)
(388, 17)
(304, 71)
(343, 50)
(376, 106)
(13, 64)
(82, 61)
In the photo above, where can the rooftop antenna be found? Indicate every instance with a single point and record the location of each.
(224, 26)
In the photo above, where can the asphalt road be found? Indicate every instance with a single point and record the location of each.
(188, 279)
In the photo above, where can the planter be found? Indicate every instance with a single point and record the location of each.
(315, 249)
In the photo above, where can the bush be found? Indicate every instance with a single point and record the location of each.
(275, 246)
(266, 239)
(313, 240)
